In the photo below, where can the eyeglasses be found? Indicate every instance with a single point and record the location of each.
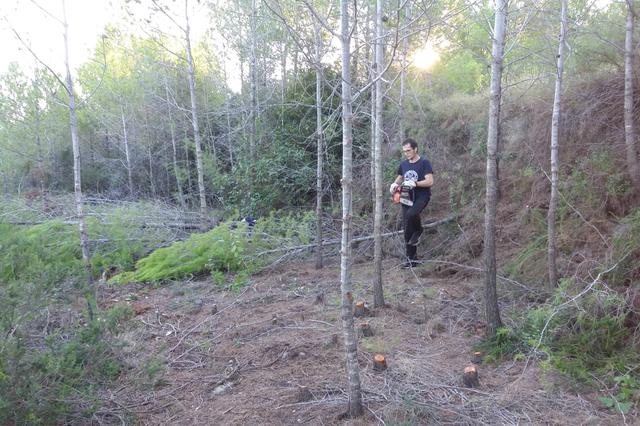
(406, 151)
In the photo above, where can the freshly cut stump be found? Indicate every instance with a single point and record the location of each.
(477, 358)
(360, 310)
(470, 377)
(379, 362)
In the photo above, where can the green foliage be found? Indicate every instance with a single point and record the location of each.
(460, 71)
(583, 337)
(51, 383)
(530, 260)
(626, 244)
(220, 249)
(47, 254)
(505, 343)
(626, 396)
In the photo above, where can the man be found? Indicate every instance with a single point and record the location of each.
(414, 181)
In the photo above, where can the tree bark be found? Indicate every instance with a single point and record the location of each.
(378, 293)
(77, 168)
(403, 75)
(350, 342)
(629, 128)
(555, 123)
(127, 154)
(194, 120)
(320, 147)
(492, 310)
(253, 82)
(174, 151)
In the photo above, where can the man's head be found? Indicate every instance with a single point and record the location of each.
(410, 149)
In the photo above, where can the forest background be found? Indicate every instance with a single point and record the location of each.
(174, 138)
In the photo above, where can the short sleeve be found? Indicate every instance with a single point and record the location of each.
(427, 167)
(399, 172)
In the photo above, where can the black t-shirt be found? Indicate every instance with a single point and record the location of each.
(416, 172)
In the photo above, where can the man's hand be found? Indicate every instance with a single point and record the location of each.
(393, 188)
(409, 183)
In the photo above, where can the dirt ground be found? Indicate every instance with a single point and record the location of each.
(272, 354)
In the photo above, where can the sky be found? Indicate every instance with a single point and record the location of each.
(38, 24)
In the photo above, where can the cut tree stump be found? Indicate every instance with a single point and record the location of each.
(360, 309)
(477, 358)
(379, 362)
(365, 330)
(470, 377)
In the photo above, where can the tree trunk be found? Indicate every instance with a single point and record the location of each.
(629, 128)
(403, 75)
(283, 83)
(378, 294)
(77, 167)
(320, 150)
(350, 342)
(194, 120)
(127, 154)
(253, 82)
(174, 151)
(492, 310)
(372, 77)
(555, 123)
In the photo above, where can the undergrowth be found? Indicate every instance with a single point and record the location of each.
(220, 249)
(583, 337)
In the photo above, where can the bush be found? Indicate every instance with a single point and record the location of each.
(626, 244)
(220, 249)
(583, 337)
(55, 381)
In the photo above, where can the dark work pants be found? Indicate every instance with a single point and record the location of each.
(412, 223)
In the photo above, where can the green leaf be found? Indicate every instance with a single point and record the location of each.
(607, 401)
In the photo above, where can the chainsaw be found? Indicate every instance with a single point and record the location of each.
(403, 195)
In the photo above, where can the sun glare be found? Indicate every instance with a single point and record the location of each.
(426, 57)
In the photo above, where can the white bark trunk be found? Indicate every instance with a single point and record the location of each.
(629, 128)
(127, 154)
(320, 147)
(378, 295)
(350, 342)
(77, 168)
(194, 120)
(174, 150)
(492, 311)
(253, 77)
(555, 124)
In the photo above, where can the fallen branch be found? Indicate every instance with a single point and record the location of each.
(358, 239)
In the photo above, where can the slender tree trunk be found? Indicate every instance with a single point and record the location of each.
(320, 150)
(174, 150)
(372, 75)
(555, 123)
(194, 121)
(492, 310)
(227, 113)
(350, 342)
(187, 163)
(404, 51)
(127, 154)
(378, 294)
(629, 128)
(283, 82)
(152, 181)
(41, 161)
(77, 167)
(253, 77)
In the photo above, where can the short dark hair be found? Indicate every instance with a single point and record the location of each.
(410, 141)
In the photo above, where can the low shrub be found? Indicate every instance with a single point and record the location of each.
(220, 249)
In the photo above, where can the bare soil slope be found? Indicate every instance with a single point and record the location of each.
(272, 355)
